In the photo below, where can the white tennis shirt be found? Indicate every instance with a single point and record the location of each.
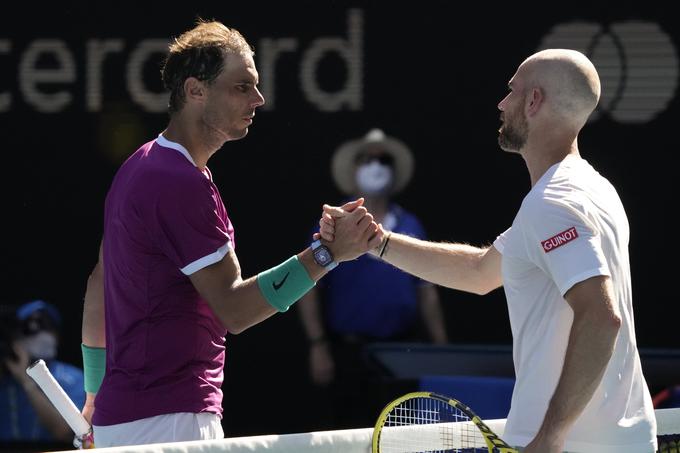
(572, 226)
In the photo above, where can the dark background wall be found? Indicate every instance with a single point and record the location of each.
(428, 72)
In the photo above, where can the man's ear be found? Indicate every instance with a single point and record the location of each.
(194, 89)
(534, 101)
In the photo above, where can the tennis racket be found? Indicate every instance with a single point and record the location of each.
(39, 372)
(428, 422)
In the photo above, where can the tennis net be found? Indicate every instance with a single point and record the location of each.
(352, 440)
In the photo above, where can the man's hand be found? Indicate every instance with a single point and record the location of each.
(327, 223)
(88, 408)
(355, 234)
(333, 214)
(18, 366)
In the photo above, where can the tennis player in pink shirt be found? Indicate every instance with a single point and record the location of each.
(168, 286)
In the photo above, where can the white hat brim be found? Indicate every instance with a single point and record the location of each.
(343, 169)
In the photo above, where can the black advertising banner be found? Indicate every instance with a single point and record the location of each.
(80, 91)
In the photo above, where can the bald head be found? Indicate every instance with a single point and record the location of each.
(569, 81)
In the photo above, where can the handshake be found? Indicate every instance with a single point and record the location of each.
(350, 231)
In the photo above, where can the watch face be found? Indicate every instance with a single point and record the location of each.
(323, 256)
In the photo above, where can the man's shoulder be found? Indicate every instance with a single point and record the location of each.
(134, 157)
(541, 203)
(164, 169)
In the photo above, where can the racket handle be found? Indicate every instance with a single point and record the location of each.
(39, 372)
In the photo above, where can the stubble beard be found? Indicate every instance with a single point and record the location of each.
(215, 134)
(513, 137)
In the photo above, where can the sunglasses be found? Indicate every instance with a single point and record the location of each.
(383, 158)
(38, 322)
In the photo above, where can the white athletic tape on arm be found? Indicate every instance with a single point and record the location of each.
(58, 397)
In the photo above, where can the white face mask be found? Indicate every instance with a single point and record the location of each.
(374, 178)
(42, 345)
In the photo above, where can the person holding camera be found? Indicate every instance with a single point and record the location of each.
(32, 333)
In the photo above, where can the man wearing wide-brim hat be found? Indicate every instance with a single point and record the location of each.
(366, 300)
(374, 143)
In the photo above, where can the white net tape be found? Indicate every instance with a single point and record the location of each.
(342, 441)
(435, 437)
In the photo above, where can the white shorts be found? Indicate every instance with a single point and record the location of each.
(178, 427)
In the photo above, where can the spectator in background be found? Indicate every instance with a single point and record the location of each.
(367, 300)
(25, 412)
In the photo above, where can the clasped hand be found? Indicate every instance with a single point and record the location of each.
(347, 222)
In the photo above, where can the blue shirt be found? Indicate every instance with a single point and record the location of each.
(369, 297)
(18, 419)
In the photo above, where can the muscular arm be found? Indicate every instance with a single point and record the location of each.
(93, 331)
(458, 266)
(591, 344)
(239, 303)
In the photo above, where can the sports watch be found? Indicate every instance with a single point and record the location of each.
(323, 255)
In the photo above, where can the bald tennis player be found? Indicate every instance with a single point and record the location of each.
(565, 269)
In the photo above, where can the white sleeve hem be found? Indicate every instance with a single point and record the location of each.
(583, 276)
(206, 260)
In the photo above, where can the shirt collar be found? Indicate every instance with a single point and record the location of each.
(165, 143)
